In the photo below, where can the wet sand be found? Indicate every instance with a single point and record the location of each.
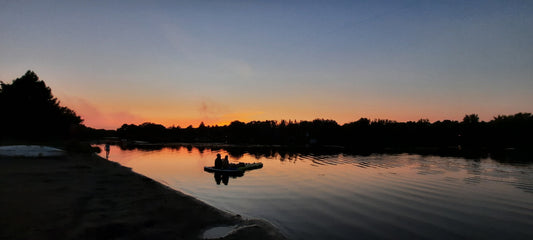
(87, 197)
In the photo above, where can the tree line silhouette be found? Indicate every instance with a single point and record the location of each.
(504, 131)
(31, 112)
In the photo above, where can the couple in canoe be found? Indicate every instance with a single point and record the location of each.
(224, 163)
(221, 164)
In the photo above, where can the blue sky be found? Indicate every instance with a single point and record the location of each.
(183, 62)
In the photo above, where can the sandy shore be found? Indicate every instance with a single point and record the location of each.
(87, 197)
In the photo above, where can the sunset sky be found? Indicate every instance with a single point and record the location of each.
(184, 62)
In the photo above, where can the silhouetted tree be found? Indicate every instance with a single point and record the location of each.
(147, 132)
(471, 119)
(512, 130)
(30, 111)
(472, 131)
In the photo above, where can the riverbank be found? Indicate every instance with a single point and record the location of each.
(87, 197)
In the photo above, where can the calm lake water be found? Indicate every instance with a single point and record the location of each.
(339, 196)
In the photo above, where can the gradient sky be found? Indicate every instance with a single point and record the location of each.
(183, 62)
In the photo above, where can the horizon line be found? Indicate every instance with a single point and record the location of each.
(225, 124)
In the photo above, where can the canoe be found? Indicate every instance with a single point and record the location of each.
(230, 171)
(241, 167)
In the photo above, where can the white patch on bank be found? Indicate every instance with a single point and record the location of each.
(224, 231)
(30, 151)
(218, 232)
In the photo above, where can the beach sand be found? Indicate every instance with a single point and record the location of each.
(87, 197)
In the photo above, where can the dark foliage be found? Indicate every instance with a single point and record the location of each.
(147, 131)
(361, 135)
(31, 112)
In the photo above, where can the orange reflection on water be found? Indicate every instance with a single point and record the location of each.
(166, 161)
(186, 164)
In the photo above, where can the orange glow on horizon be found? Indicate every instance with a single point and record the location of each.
(184, 123)
(116, 120)
(103, 115)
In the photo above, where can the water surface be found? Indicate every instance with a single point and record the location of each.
(338, 196)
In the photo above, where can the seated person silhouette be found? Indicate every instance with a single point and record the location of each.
(218, 162)
(225, 162)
